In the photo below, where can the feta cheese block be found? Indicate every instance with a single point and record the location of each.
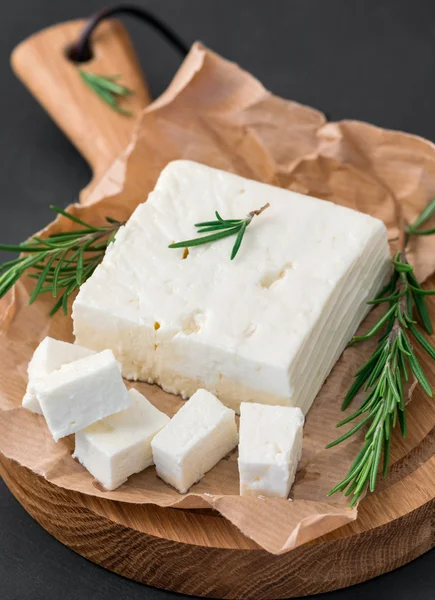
(120, 445)
(201, 433)
(266, 327)
(81, 393)
(270, 449)
(49, 356)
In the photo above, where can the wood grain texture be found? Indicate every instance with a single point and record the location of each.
(198, 552)
(98, 132)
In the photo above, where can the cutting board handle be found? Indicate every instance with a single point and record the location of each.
(99, 132)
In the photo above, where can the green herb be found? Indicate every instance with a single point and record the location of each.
(223, 228)
(60, 262)
(424, 216)
(107, 89)
(385, 373)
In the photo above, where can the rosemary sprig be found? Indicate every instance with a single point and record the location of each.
(61, 262)
(107, 89)
(223, 228)
(383, 376)
(424, 216)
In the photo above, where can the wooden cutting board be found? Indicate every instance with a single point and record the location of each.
(99, 133)
(196, 551)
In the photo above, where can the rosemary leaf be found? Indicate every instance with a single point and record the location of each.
(423, 217)
(355, 388)
(424, 343)
(80, 265)
(393, 385)
(401, 267)
(111, 101)
(206, 239)
(376, 327)
(402, 422)
(422, 292)
(21, 248)
(220, 229)
(72, 217)
(10, 263)
(61, 262)
(391, 298)
(420, 376)
(423, 312)
(106, 88)
(376, 460)
(371, 360)
(113, 221)
(108, 83)
(57, 306)
(389, 287)
(65, 300)
(423, 232)
(238, 241)
(57, 271)
(220, 222)
(42, 277)
(385, 372)
(350, 432)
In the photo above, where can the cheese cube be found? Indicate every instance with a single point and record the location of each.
(120, 445)
(201, 433)
(266, 327)
(49, 356)
(81, 393)
(270, 449)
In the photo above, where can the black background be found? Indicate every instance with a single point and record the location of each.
(369, 60)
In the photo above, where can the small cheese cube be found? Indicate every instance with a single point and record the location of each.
(269, 450)
(120, 445)
(49, 356)
(81, 393)
(201, 433)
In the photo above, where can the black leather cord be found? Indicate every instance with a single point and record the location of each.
(81, 51)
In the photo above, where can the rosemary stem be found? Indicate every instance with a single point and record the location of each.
(60, 262)
(383, 376)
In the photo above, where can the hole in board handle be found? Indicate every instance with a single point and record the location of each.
(71, 52)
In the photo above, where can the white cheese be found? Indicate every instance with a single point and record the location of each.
(120, 445)
(270, 449)
(201, 433)
(266, 327)
(81, 393)
(49, 356)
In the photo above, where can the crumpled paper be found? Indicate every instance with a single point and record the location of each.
(215, 113)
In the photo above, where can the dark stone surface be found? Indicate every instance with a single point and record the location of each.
(369, 60)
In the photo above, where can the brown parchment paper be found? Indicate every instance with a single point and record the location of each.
(215, 113)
